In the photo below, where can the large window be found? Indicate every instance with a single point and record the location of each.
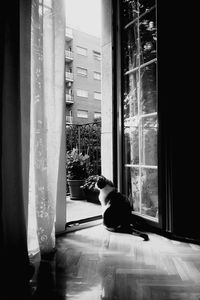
(139, 42)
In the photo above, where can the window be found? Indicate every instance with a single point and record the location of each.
(82, 93)
(97, 75)
(97, 55)
(97, 115)
(140, 120)
(82, 113)
(97, 95)
(82, 72)
(81, 51)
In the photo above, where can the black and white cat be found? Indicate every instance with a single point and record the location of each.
(116, 209)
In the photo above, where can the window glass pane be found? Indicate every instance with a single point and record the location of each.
(130, 45)
(97, 115)
(130, 11)
(149, 141)
(82, 71)
(132, 187)
(131, 144)
(82, 113)
(97, 95)
(148, 91)
(97, 75)
(145, 5)
(149, 184)
(82, 93)
(97, 55)
(81, 51)
(131, 95)
(148, 37)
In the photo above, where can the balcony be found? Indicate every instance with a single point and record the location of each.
(69, 120)
(68, 55)
(69, 76)
(69, 99)
(68, 34)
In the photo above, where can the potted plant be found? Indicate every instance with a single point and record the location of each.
(89, 189)
(76, 166)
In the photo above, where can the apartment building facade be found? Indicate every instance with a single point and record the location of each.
(82, 77)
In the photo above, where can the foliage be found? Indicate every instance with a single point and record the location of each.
(89, 184)
(77, 165)
(86, 138)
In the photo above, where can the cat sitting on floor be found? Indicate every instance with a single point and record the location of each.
(116, 209)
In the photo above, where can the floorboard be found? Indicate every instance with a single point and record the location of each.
(93, 263)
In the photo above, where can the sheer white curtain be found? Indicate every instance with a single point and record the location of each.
(47, 105)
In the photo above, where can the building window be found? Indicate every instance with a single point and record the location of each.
(82, 93)
(97, 115)
(97, 95)
(82, 113)
(97, 75)
(81, 51)
(97, 55)
(82, 72)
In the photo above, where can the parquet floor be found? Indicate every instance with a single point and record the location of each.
(96, 264)
(93, 264)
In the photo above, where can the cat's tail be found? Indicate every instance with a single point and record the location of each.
(139, 233)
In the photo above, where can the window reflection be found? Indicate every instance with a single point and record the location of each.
(132, 187)
(131, 145)
(149, 189)
(131, 51)
(131, 95)
(149, 141)
(148, 91)
(148, 37)
(139, 41)
(130, 10)
(145, 5)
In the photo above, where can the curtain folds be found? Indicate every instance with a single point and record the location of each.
(32, 110)
(47, 104)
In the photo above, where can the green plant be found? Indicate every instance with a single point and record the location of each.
(89, 184)
(76, 165)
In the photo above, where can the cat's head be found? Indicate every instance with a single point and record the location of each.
(102, 181)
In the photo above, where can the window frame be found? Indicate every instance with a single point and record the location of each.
(82, 116)
(81, 95)
(80, 73)
(81, 48)
(97, 93)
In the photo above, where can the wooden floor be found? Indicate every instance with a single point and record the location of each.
(93, 264)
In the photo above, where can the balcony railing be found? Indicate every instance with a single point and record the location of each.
(68, 34)
(69, 76)
(69, 99)
(68, 55)
(69, 120)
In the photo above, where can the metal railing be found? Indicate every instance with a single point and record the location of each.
(69, 54)
(69, 98)
(69, 76)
